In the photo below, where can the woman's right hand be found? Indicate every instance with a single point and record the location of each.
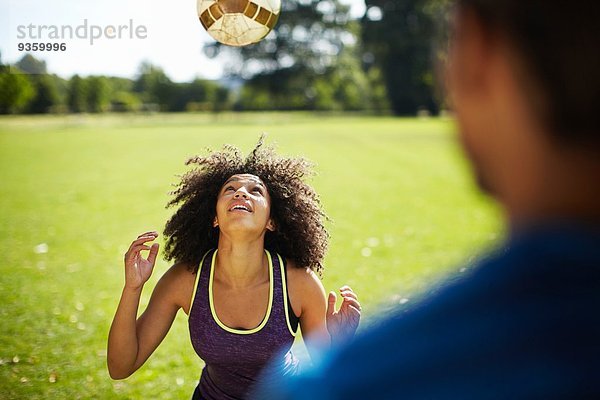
(137, 268)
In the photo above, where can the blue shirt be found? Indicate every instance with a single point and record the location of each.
(525, 323)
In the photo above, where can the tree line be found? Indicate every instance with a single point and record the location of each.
(27, 87)
(316, 58)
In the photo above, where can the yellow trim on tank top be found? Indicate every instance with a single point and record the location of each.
(212, 307)
(285, 297)
(196, 283)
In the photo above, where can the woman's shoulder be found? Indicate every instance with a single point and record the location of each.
(179, 270)
(178, 283)
(302, 278)
(305, 289)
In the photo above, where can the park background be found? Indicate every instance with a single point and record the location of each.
(87, 162)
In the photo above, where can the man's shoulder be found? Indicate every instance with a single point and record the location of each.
(539, 271)
(525, 315)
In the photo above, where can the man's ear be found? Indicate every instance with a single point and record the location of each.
(271, 225)
(473, 46)
(215, 222)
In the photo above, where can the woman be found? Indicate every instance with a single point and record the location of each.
(248, 240)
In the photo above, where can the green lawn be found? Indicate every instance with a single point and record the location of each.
(404, 211)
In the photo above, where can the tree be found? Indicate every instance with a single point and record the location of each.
(295, 65)
(198, 95)
(46, 96)
(394, 42)
(121, 96)
(154, 86)
(77, 94)
(97, 96)
(15, 91)
(341, 86)
(378, 94)
(124, 101)
(283, 89)
(3, 68)
(31, 65)
(222, 99)
(308, 36)
(62, 89)
(398, 38)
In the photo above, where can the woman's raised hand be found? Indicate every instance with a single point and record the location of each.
(137, 268)
(342, 324)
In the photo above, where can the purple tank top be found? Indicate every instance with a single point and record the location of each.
(235, 358)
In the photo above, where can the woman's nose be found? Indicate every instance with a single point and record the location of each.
(241, 193)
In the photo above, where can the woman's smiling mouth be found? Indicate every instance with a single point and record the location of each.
(240, 207)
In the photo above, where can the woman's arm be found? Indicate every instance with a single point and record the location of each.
(309, 303)
(320, 323)
(131, 341)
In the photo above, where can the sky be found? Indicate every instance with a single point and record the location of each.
(165, 33)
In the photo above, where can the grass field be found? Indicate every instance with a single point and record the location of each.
(75, 190)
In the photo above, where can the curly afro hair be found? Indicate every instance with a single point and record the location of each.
(295, 207)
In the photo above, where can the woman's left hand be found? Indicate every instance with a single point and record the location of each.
(342, 324)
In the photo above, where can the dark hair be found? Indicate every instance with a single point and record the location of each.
(295, 207)
(558, 43)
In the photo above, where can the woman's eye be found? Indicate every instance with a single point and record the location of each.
(257, 189)
(228, 188)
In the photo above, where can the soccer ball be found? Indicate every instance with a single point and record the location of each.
(238, 22)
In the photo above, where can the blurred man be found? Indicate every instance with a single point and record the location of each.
(524, 78)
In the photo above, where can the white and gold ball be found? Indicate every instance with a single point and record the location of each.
(238, 22)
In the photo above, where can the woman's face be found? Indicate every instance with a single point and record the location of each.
(244, 204)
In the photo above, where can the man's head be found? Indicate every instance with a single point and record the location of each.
(523, 78)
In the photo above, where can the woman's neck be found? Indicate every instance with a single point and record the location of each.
(241, 264)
